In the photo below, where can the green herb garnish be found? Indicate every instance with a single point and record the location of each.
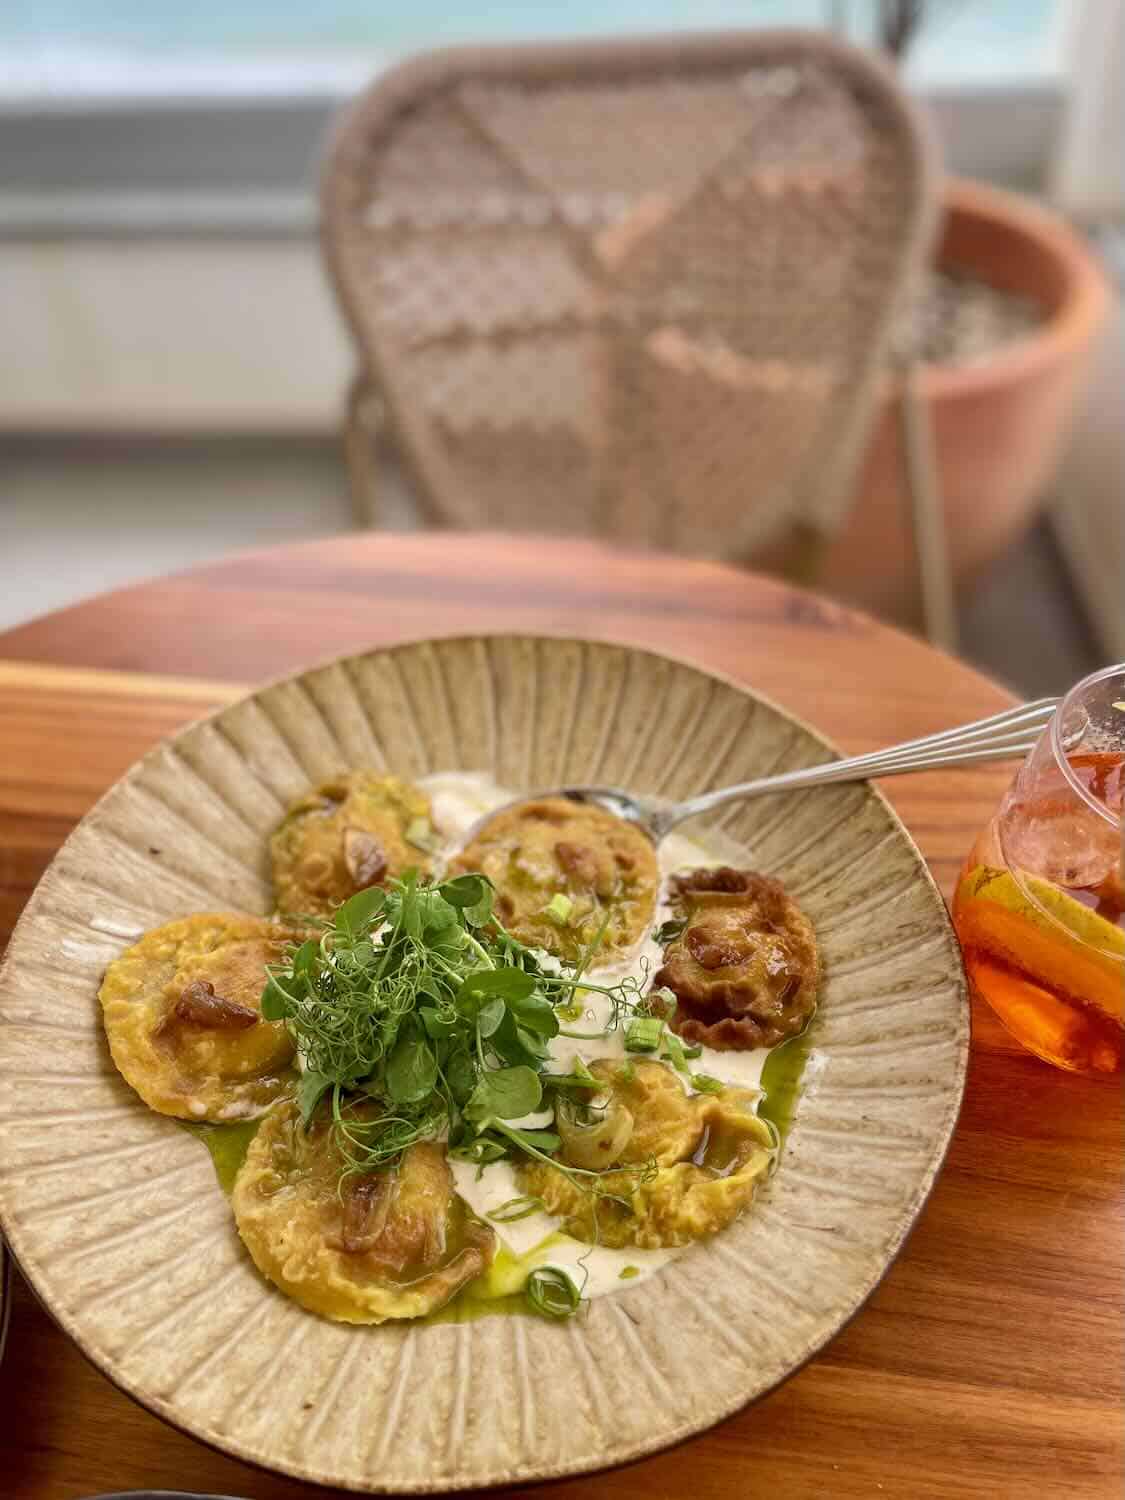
(416, 999)
(626, 1273)
(417, 1016)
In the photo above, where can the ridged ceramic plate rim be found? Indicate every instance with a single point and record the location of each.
(113, 1212)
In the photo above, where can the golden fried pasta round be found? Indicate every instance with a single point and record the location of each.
(181, 1013)
(343, 836)
(690, 1167)
(361, 1249)
(745, 970)
(604, 868)
(667, 1125)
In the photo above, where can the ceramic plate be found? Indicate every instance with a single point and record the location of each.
(114, 1212)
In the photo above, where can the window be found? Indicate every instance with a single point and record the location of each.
(146, 114)
(112, 48)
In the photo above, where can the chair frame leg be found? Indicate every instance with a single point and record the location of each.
(927, 515)
(360, 435)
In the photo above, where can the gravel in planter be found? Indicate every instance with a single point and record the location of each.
(955, 319)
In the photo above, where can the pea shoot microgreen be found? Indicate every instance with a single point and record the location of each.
(416, 997)
(669, 931)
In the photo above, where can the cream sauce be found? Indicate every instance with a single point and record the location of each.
(458, 799)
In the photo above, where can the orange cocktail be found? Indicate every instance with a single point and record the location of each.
(1040, 904)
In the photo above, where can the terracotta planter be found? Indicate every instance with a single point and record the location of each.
(999, 426)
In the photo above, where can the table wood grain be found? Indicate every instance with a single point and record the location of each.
(989, 1362)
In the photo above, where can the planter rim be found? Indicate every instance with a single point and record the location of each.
(1063, 333)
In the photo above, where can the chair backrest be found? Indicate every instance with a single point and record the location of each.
(640, 289)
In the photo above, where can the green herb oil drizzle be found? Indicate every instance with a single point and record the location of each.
(228, 1145)
(781, 1082)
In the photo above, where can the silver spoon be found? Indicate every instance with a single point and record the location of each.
(1004, 736)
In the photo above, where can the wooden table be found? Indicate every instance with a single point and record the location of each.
(989, 1361)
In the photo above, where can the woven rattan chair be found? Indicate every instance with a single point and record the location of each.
(635, 289)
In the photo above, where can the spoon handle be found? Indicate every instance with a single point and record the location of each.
(1002, 736)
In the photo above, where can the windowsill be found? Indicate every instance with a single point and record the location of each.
(179, 214)
(240, 156)
(82, 85)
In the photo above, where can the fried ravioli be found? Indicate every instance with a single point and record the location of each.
(540, 850)
(360, 1249)
(181, 1012)
(687, 1170)
(745, 970)
(343, 836)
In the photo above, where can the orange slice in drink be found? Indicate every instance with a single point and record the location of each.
(1044, 933)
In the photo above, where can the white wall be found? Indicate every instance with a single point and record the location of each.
(151, 335)
(1088, 179)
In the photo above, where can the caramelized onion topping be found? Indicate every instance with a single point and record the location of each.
(367, 1201)
(199, 1005)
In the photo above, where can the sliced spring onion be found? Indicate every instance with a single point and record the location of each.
(517, 1208)
(644, 1034)
(569, 1081)
(551, 1293)
(420, 833)
(703, 1083)
(559, 909)
(593, 1139)
(675, 1050)
(627, 1272)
